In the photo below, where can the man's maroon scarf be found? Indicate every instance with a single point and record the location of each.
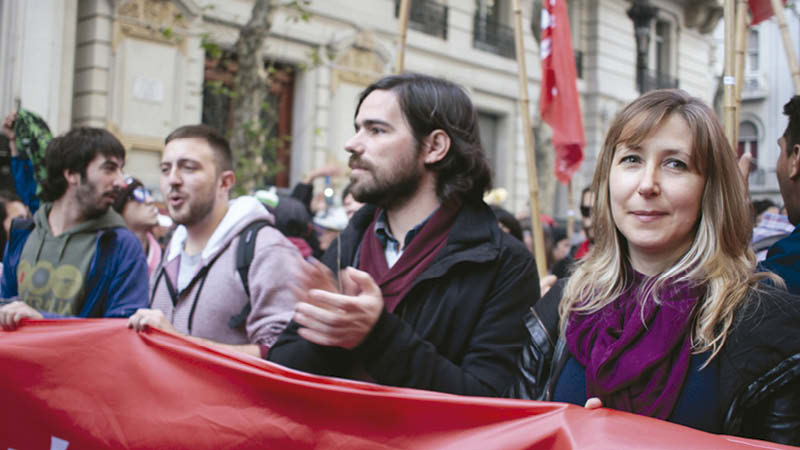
(395, 282)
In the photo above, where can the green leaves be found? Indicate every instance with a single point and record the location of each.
(299, 10)
(212, 49)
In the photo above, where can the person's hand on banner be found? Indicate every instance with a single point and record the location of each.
(341, 320)
(593, 403)
(12, 313)
(155, 318)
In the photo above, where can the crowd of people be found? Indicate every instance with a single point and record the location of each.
(662, 310)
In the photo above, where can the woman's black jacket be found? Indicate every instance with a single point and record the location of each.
(759, 364)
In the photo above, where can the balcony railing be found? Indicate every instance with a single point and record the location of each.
(493, 37)
(656, 80)
(426, 16)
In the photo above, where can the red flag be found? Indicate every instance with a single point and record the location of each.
(761, 10)
(94, 383)
(558, 102)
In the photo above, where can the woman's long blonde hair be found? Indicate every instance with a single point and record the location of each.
(719, 260)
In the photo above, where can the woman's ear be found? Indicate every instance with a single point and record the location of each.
(436, 146)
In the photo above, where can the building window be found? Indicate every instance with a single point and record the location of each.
(277, 113)
(491, 30)
(752, 51)
(661, 76)
(217, 91)
(662, 48)
(748, 140)
(426, 16)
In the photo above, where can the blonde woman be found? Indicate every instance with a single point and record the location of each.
(666, 316)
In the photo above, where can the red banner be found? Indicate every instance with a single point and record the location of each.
(75, 384)
(760, 10)
(558, 101)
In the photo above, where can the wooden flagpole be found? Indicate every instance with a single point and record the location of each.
(777, 8)
(530, 155)
(405, 7)
(741, 48)
(571, 209)
(728, 77)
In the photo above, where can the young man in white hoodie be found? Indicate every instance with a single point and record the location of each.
(198, 291)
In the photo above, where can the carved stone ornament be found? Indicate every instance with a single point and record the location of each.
(158, 20)
(360, 63)
(703, 15)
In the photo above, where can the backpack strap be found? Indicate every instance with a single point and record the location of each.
(245, 251)
(20, 223)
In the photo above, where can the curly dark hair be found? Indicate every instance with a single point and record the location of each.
(428, 104)
(73, 151)
(792, 132)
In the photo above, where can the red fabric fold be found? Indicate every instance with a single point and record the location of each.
(94, 383)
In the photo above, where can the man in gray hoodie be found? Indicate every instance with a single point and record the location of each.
(76, 258)
(197, 291)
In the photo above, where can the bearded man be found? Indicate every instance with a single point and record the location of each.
(75, 258)
(431, 293)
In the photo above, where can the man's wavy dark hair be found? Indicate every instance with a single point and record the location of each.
(429, 104)
(792, 132)
(74, 151)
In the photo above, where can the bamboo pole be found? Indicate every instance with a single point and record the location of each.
(728, 78)
(777, 7)
(405, 7)
(530, 155)
(741, 48)
(571, 209)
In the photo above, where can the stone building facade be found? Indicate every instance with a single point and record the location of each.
(767, 87)
(139, 68)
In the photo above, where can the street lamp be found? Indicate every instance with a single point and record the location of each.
(642, 13)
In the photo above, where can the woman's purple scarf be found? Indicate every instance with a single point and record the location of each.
(634, 365)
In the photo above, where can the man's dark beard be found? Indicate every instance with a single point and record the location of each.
(87, 201)
(398, 188)
(196, 211)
